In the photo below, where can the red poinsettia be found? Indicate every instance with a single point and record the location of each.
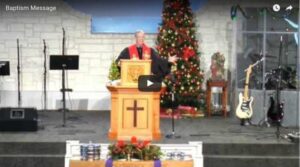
(134, 149)
(187, 53)
(120, 143)
(134, 140)
(143, 144)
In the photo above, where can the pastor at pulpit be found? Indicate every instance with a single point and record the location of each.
(159, 67)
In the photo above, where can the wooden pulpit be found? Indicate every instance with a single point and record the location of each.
(134, 113)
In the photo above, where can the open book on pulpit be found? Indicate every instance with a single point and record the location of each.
(132, 69)
(133, 112)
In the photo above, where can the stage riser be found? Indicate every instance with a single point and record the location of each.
(30, 154)
(44, 148)
(32, 161)
(245, 161)
(254, 155)
(48, 154)
(251, 149)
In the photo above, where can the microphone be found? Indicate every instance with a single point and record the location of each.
(44, 43)
(63, 41)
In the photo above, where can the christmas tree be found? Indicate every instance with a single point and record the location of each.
(177, 36)
(114, 72)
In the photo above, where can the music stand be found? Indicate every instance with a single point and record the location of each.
(4, 68)
(63, 62)
(59, 62)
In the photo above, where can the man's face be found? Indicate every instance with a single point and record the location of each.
(140, 38)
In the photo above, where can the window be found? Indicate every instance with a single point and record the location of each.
(259, 36)
(260, 33)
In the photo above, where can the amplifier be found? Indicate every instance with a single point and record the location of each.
(18, 119)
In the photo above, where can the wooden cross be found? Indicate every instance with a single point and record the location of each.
(135, 109)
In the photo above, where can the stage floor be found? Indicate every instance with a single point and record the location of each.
(93, 126)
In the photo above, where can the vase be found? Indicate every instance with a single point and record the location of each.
(128, 157)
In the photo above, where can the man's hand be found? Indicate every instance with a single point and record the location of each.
(172, 59)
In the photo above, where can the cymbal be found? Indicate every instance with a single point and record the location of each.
(270, 56)
(259, 56)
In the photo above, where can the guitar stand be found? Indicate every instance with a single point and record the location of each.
(264, 122)
(245, 122)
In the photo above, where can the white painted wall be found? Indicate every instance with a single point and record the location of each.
(214, 32)
(96, 53)
(214, 27)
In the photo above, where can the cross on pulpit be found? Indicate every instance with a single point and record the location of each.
(135, 109)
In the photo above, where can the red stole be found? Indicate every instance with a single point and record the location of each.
(133, 52)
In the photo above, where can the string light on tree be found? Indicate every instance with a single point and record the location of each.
(177, 36)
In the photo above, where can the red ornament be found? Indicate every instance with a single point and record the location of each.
(176, 5)
(171, 24)
(187, 53)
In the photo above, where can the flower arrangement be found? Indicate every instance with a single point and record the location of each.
(217, 66)
(135, 149)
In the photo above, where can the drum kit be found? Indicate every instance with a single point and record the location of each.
(288, 75)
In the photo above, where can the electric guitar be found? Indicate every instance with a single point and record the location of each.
(244, 108)
(275, 112)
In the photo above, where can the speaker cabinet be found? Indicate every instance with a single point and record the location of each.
(18, 119)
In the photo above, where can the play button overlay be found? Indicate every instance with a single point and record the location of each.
(149, 83)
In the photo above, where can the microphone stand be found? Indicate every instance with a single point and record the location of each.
(64, 67)
(45, 77)
(63, 41)
(279, 104)
(64, 95)
(19, 73)
(173, 135)
(63, 81)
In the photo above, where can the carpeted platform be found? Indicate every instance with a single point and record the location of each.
(226, 143)
(93, 126)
